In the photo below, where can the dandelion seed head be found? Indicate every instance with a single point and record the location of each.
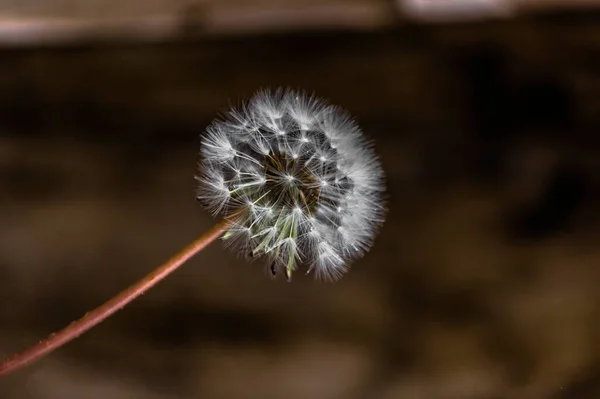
(297, 178)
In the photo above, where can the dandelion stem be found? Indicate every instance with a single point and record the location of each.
(94, 317)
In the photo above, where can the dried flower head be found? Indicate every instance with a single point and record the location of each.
(298, 179)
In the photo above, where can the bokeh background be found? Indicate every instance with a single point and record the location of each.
(483, 283)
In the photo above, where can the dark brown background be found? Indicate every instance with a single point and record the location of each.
(483, 282)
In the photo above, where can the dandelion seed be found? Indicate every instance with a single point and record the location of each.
(297, 178)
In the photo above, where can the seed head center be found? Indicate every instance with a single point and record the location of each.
(291, 182)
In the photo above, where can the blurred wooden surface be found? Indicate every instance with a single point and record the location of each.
(134, 8)
(33, 22)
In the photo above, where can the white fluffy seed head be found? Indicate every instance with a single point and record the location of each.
(297, 178)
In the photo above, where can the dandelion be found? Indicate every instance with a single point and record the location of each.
(294, 181)
(298, 180)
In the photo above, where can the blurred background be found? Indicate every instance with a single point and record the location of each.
(483, 283)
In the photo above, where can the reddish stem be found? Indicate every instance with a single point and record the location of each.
(90, 319)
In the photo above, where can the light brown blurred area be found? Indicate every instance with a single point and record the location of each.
(66, 21)
(482, 284)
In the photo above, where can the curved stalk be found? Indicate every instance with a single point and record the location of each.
(94, 317)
